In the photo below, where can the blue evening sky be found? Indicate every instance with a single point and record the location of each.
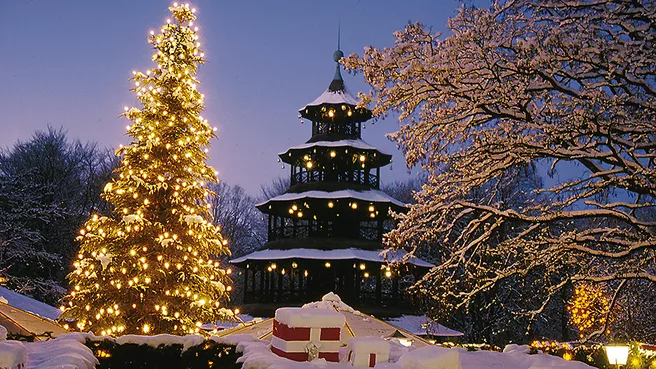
(68, 64)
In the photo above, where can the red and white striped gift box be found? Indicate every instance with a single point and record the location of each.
(367, 351)
(295, 330)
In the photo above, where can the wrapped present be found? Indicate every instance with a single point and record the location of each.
(365, 352)
(307, 334)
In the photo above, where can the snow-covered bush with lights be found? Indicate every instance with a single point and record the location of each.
(149, 267)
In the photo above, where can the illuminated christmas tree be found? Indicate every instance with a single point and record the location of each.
(150, 267)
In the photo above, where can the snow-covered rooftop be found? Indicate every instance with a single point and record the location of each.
(368, 195)
(333, 97)
(421, 325)
(357, 144)
(28, 304)
(342, 254)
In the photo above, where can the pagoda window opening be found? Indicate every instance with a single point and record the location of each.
(360, 176)
(350, 130)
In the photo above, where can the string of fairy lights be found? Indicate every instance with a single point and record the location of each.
(152, 266)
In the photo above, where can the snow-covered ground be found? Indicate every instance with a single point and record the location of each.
(61, 353)
(257, 355)
(67, 352)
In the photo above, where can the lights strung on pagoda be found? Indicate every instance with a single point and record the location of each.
(327, 265)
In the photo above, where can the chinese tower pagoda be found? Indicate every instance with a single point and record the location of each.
(325, 232)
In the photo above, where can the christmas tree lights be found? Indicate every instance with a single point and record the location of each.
(588, 309)
(151, 266)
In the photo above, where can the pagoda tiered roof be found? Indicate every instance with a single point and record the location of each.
(295, 152)
(366, 196)
(377, 256)
(336, 104)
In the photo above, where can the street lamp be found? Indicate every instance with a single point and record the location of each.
(617, 354)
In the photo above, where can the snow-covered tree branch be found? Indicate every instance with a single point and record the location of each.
(565, 86)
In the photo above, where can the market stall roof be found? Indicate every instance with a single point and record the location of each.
(421, 325)
(23, 315)
(392, 256)
(28, 304)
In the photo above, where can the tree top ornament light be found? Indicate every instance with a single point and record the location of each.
(151, 266)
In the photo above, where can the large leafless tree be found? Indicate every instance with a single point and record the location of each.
(566, 85)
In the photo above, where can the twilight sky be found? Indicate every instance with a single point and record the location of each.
(68, 63)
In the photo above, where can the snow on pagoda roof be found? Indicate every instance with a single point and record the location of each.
(342, 254)
(357, 144)
(368, 195)
(341, 96)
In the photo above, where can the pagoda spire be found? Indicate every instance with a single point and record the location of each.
(338, 83)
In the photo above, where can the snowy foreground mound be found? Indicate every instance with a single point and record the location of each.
(67, 352)
(61, 353)
(257, 355)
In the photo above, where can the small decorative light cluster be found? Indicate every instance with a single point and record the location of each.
(333, 112)
(149, 268)
(554, 348)
(588, 308)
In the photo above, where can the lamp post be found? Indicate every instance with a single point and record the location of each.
(617, 353)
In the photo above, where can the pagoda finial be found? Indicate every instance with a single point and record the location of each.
(337, 83)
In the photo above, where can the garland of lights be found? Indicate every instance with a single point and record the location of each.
(588, 308)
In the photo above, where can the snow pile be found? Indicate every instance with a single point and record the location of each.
(257, 355)
(57, 353)
(241, 320)
(60, 353)
(310, 318)
(131, 218)
(514, 357)
(153, 341)
(235, 340)
(194, 219)
(431, 357)
(161, 340)
(3, 333)
(12, 354)
(104, 260)
(331, 301)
